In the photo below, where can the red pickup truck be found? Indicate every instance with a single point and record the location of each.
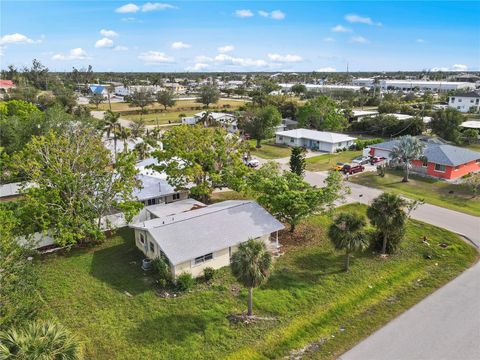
(352, 168)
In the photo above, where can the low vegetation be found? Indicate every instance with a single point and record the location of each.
(451, 196)
(118, 312)
(269, 150)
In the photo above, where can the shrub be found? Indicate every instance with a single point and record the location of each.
(208, 273)
(185, 282)
(163, 271)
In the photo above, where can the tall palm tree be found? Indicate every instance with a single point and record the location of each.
(208, 120)
(142, 150)
(112, 126)
(124, 134)
(137, 127)
(409, 148)
(387, 213)
(251, 266)
(39, 340)
(347, 233)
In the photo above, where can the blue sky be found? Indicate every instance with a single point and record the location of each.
(242, 36)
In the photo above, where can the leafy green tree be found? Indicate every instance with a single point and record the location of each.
(260, 124)
(445, 123)
(137, 126)
(347, 233)
(141, 150)
(251, 265)
(470, 136)
(407, 149)
(39, 340)
(18, 278)
(321, 114)
(206, 157)
(290, 198)
(96, 99)
(388, 213)
(141, 98)
(473, 182)
(267, 86)
(297, 160)
(208, 94)
(388, 107)
(166, 98)
(24, 93)
(75, 185)
(299, 89)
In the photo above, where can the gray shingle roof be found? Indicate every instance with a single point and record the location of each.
(194, 233)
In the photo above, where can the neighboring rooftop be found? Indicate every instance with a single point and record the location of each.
(190, 234)
(470, 94)
(322, 136)
(471, 124)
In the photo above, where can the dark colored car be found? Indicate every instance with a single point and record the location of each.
(352, 168)
(376, 159)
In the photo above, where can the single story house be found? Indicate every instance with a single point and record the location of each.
(315, 140)
(6, 86)
(358, 115)
(193, 236)
(442, 161)
(226, 120)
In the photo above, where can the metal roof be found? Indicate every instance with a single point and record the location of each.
(322, 136)
(187, 235)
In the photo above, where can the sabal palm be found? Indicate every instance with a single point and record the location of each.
(251, 266)
(142, 150)
(387, 213)
(409, 148)
(39, 340)
(112, 126)
(347, 233)
(124, 134)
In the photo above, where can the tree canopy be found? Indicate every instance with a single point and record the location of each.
(408, 148)
(260, 123)
(166, 98)
(445, 123)
(208, 94)
(321, 113)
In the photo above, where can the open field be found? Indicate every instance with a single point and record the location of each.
(451, 196)
(161, 118)
(328, 161)
(269, 150)
(111, 305)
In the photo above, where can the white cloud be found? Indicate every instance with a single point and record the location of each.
(177, 45)
(226, 49)
(120, 48)
(203, 59)
(197, 67)
(275, 14)
(359, 40)
(420, 41)
(459, 67)
(285, 58)
(341, 29)
(353, 18)
(243, 13)
(15, 39)
(108, 33)
(155, 57)
(243, 62)
(327, 69)
(73, 54)
(104, 43)
(128, 8)
(156, 6)
(435, 69)
(329, 39)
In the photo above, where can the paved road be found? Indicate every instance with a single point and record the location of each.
(445, 325)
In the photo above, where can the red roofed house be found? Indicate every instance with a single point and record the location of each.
(6, 85)
(443, 161)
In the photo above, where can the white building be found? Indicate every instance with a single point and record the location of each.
(321, 88)
(226, 120)
(465, 102)
(364, 82)
(422, 85)
(315, 140)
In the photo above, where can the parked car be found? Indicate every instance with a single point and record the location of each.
(376, 159)
(352, 168)
(338, 166)
(362, 160)
(253, 163)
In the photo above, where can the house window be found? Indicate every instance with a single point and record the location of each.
(152, 246)
(151, 202)
(176, 196)
(204, 258)
(142, 238)
(453, 99)
(459, 100)
(440, 168)
(292, 140)
(425, 162)
(280, 138)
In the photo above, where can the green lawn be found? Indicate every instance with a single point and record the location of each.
(328, 161)
(451, 196)
(160, 118)
(269, 150)
(308, 293)
(474, 147)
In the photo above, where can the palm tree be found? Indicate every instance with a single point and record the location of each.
(409, 148)
(208, 120)
(387, 213)
(124, 134)
(251, 266)
(346, 233)
(112, 125)
(39, 340)
(138, 127)
(142, 150)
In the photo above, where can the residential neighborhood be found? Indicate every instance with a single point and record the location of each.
(239, 180)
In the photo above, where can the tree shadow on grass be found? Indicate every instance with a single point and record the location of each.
(306, 270)
(120, 266)
(170, 328)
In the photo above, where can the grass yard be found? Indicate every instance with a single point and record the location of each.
(474, 147)
(328, 161)
(269, 150)
(309, 294)
(161, 117)
(431, 191)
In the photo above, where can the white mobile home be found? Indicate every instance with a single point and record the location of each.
(314, 140)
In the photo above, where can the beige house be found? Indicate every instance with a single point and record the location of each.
(193, 236)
